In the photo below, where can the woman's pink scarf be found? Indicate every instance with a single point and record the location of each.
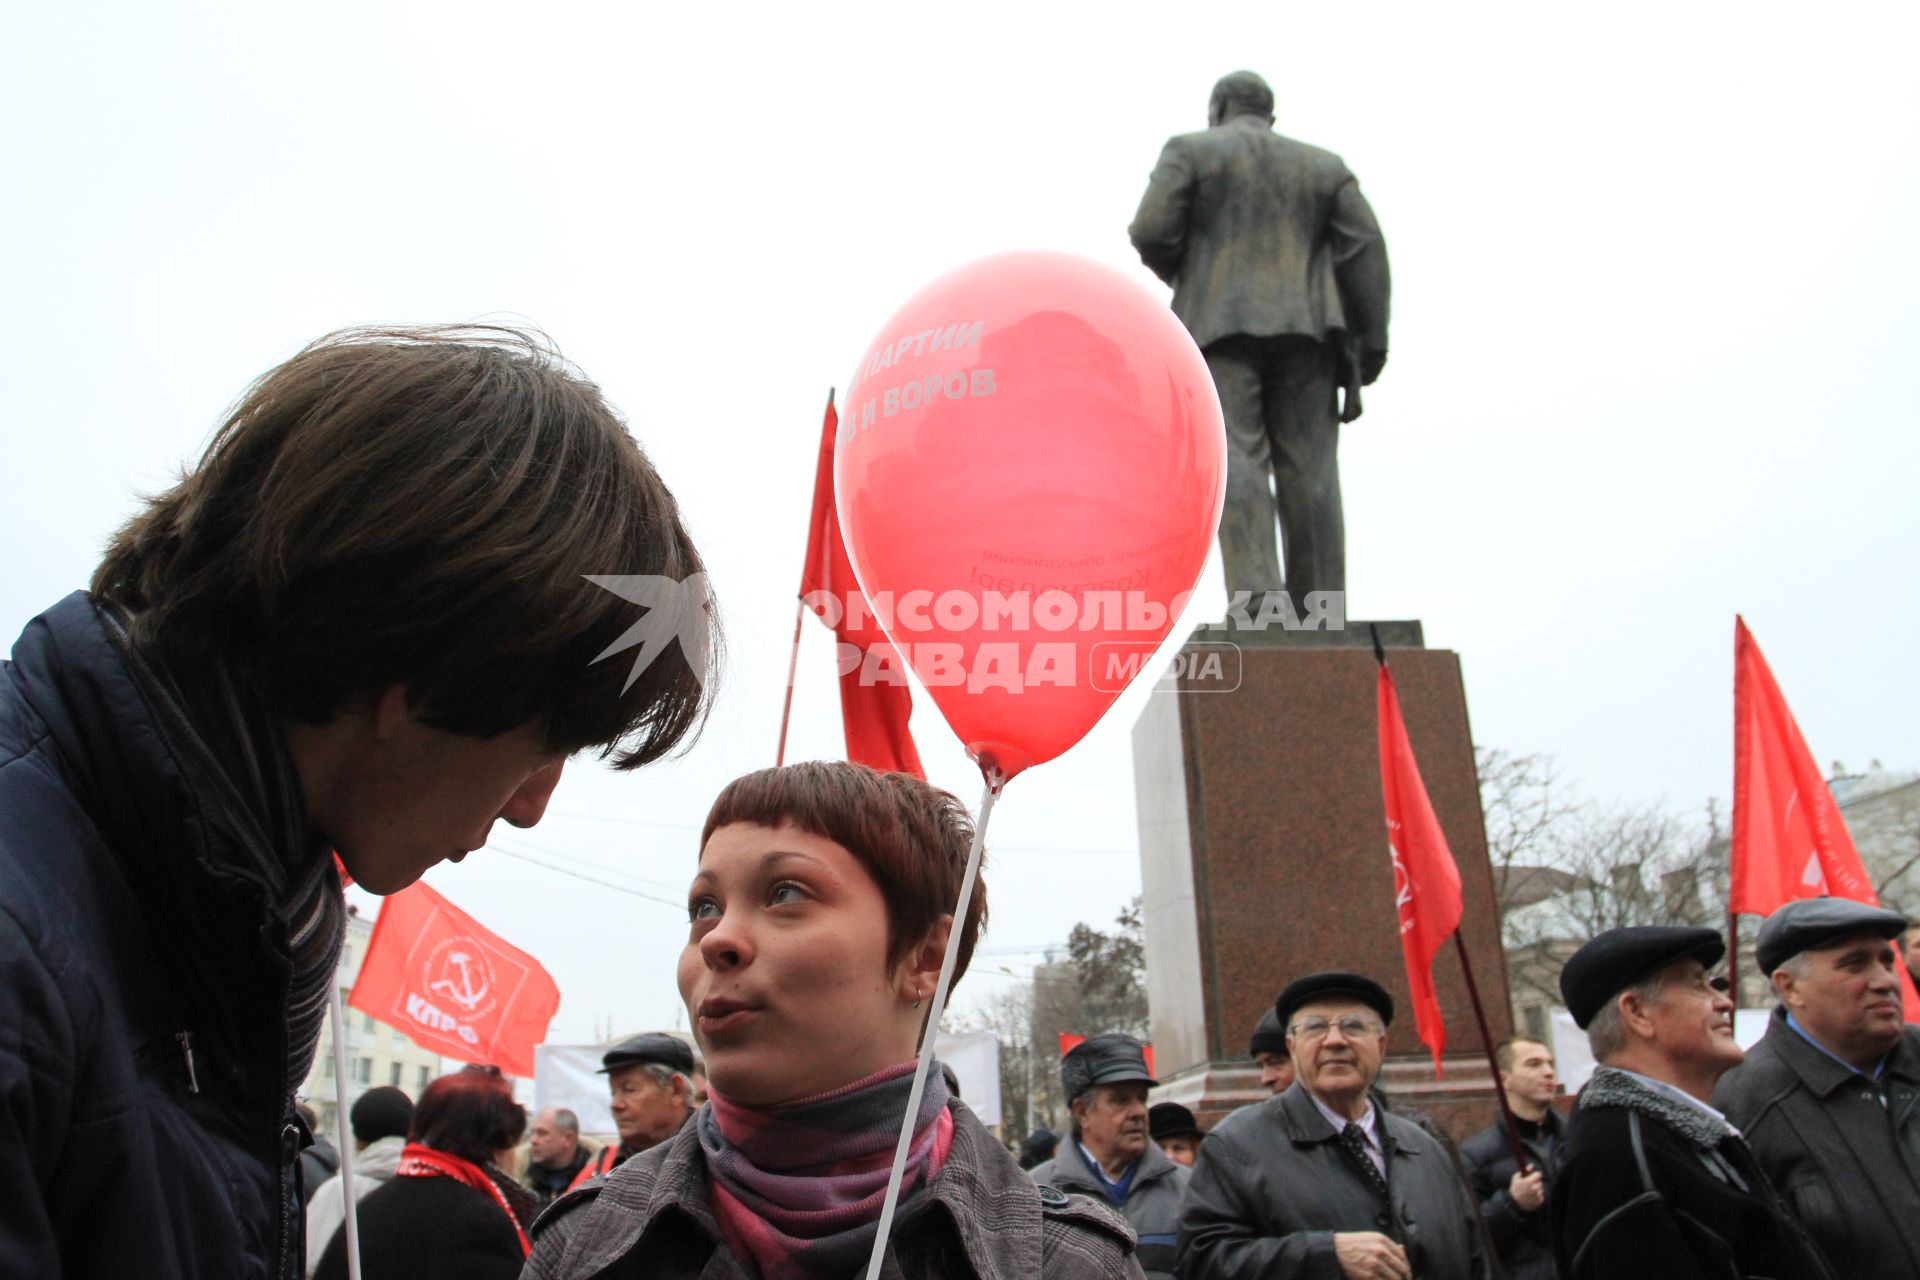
(798, 1187)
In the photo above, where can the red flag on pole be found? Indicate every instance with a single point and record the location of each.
(1789, 840)
(453, 986)
(875, 700)
(1426, 881)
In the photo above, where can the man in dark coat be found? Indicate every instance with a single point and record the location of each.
(358, 626)
(1512, 1201)
(555, 1153)
(1280, 273)
(1319, 1181)
(1109, 1154)
(1653, 1180)
(1827, 1098)
(1268, 1049)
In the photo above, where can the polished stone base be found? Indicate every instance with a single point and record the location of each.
(1264, 856)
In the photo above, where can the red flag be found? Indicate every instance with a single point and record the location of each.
(1789, 840)
(1426, 881)
(451, 985)
(875, 700)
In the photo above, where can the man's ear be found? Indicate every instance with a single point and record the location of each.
(1785, 986)
(1633, 1013)
(677, 1089)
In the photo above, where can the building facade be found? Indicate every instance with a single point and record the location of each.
(377, 1054)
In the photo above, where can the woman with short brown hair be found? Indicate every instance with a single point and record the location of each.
(818, 919)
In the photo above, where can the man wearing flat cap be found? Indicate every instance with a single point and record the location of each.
(1320, 1182)
(1268, 1049)
(1109, 1154)
(650, 1078)
(1178, 1133)
(1827, 1098)
(1654, 1181)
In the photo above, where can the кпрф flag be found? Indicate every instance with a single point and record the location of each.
(874, 710)
(1789, 840)
(1426, 881)
(451, 985)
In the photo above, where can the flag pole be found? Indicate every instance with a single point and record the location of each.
(793, 665)
(352, 1223)
(1508, 1124)
(1733, 956)
(932, 1031)
(799, 618)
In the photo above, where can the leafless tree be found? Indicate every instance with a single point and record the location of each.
(1524, 802)
(1098, 985)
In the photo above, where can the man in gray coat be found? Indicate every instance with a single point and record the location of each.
(1280, 274)
(1826, 1099)
(1320, 1182)
(1109, 1154)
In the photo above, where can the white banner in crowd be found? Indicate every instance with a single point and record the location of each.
(567, 1075)
(1573, 1064)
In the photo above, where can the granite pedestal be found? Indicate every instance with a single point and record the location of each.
(1264, 856)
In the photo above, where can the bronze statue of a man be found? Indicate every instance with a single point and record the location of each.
(1280, 273)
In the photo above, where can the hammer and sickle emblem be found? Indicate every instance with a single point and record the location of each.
(465, 994)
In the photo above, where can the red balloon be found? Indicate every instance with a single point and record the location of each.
(1029, 475)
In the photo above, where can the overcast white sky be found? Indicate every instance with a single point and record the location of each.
(1655, 284)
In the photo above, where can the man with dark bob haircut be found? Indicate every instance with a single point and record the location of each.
(362, 623)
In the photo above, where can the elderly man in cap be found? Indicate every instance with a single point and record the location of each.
(1826, 1099)
(651, 1079)
(1319, 1181)
(1108, 1154)
(1178, 1133)
(1654, 1181)
(1268, 1049)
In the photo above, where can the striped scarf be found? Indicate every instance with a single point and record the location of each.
(798, 1188)
(242, 754)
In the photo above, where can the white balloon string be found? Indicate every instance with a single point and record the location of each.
(351, 1223)
(931, 1034)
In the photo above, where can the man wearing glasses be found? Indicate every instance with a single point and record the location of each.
(1654, 1181)
(1318, 1181)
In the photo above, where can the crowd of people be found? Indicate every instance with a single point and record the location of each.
(360, 627)
(1682, 1156)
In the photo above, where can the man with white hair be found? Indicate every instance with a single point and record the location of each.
(650, 1080)
(1826, 1098)
(1654, 1181)
(1320, 1181)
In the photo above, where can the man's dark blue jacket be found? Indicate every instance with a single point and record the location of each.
(127, 937)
